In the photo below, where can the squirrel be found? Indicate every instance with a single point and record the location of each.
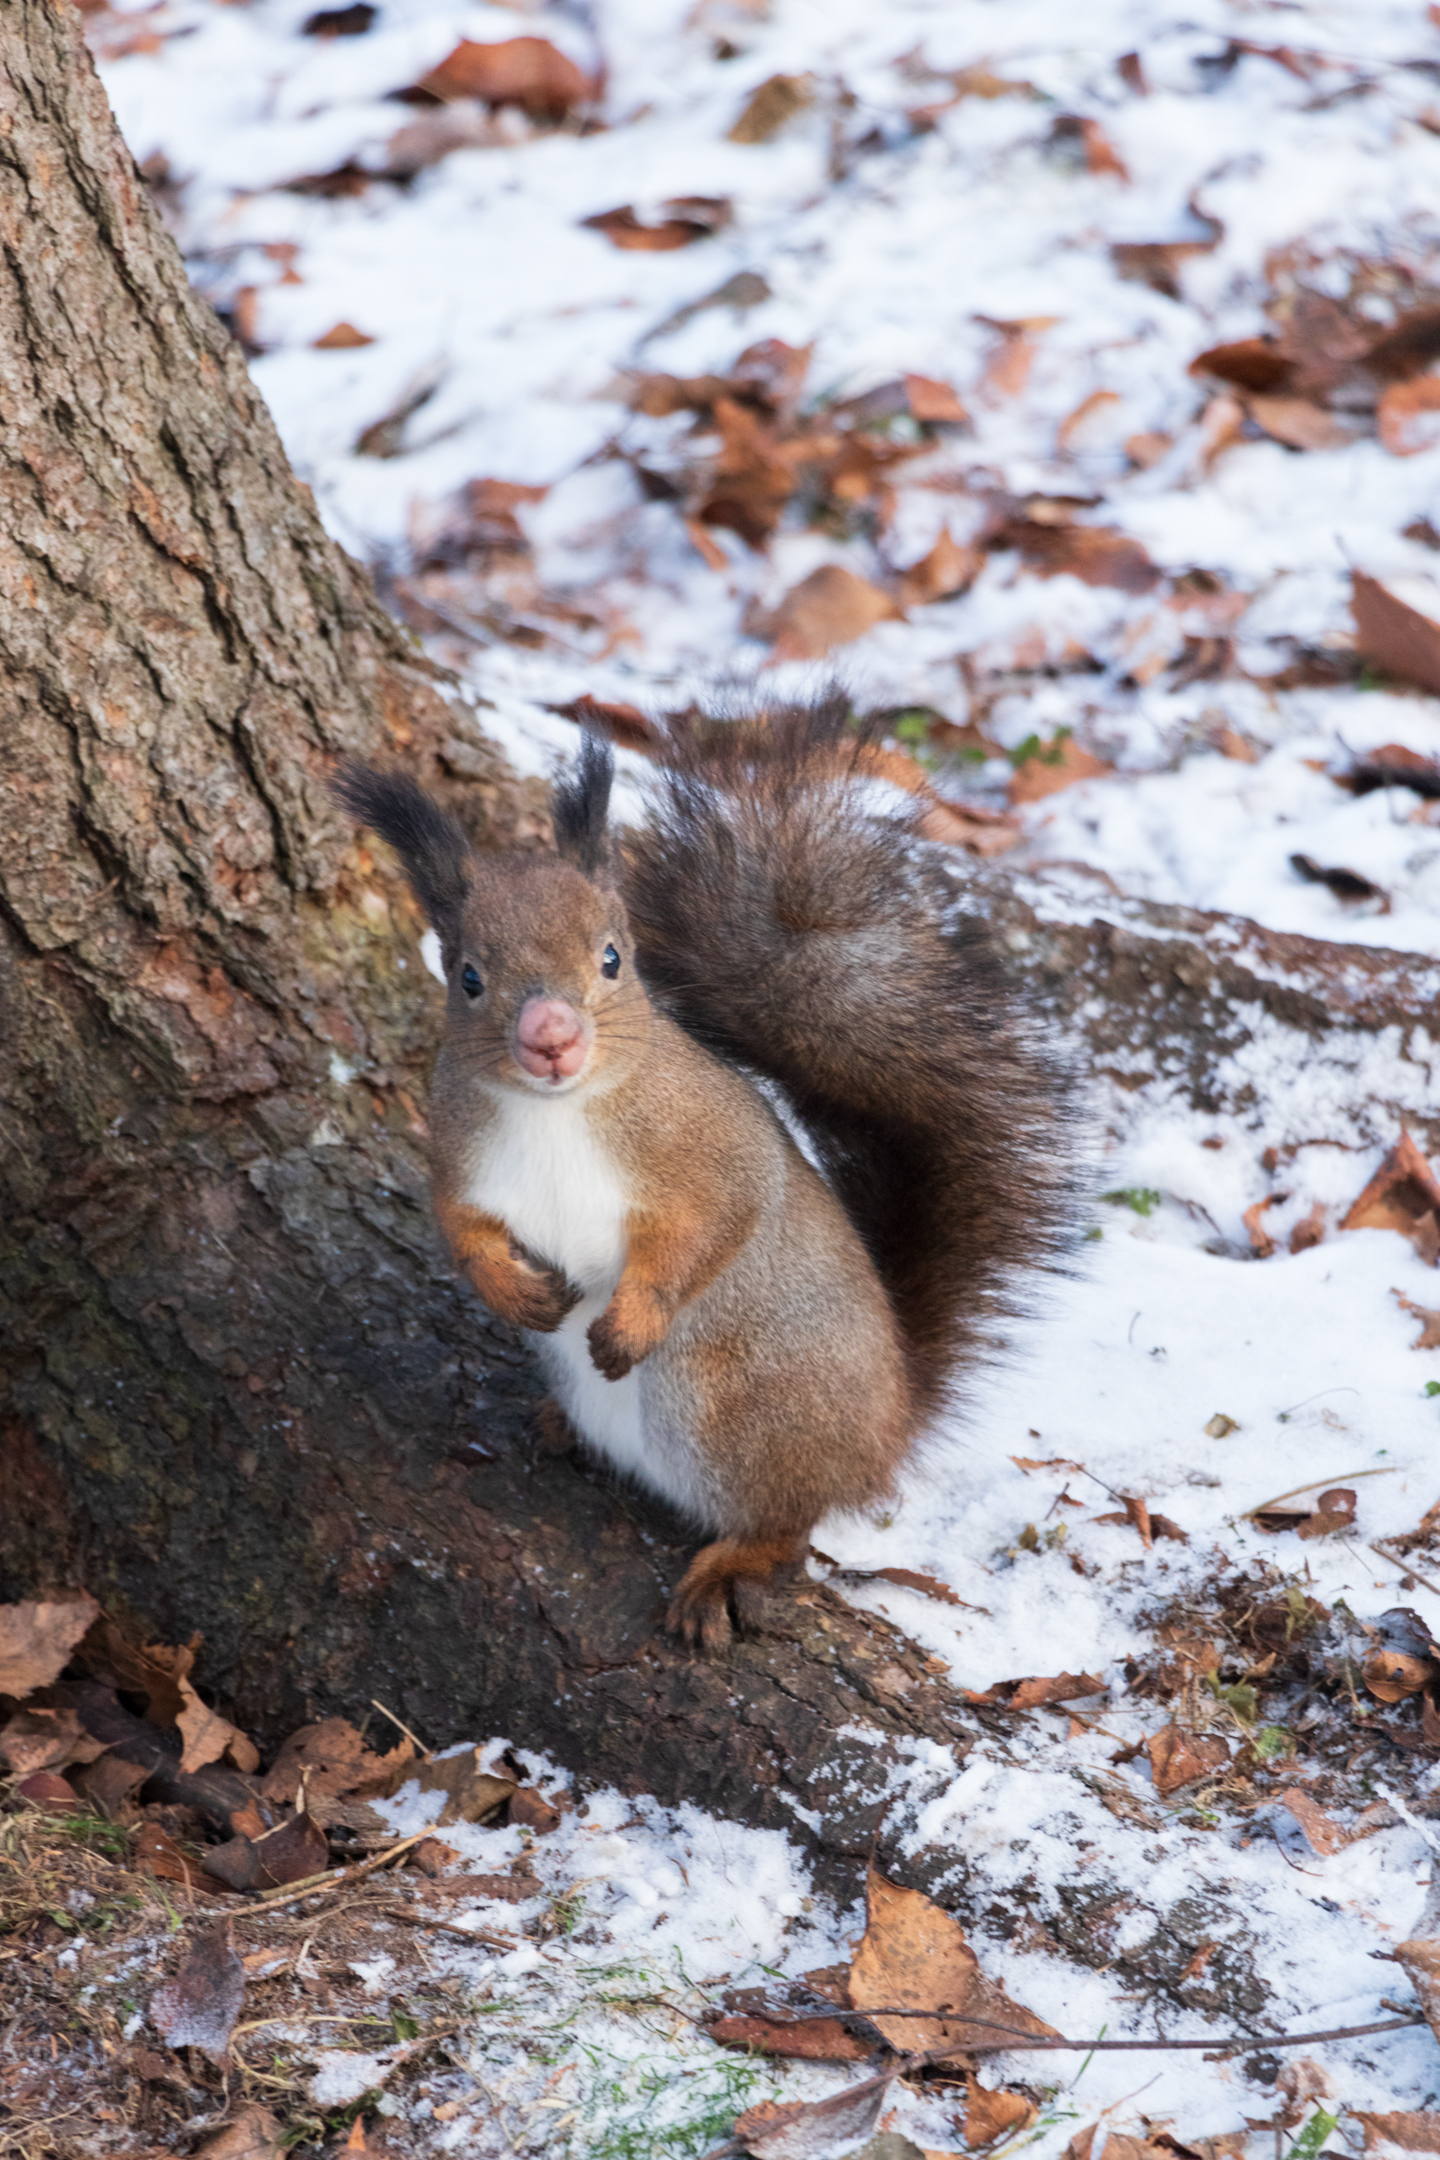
(746, 1138)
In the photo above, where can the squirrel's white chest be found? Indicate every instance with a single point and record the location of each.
(549, 1179)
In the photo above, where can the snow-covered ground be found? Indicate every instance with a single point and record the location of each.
(945, 202)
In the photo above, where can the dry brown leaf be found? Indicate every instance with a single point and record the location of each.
(1178, 1758)
(1311, 1231)
(994, 2114)
(1334, 1513)
(254, 2135)
(1150, 1526)
(525, 71)
(1421, 1960)
(772, 106)
(1394, 635)
(813, 2129)
(1073, 426)
(1099, 152)
(1049, 1462)
(205, 1734)
(532, 1811)
(1037, 1694)
(1408, 416)
(1348, 885)
(1404, 1659)
(1429, 1336)
(830, 607)
(1297, 423)
(1156, 263)
(333, 1759)
(806, 2039)
(1403, 1195)
(1325, 1834)
(946, 570)
(470, 1792)
(1410, 2130)
(1093, 553)
(157, 1852)
(933, 402)
(39, 1739)
(154, 1672)
(915, 1956)
(983, 832)
(199, 2007)
(344, 337)
(1261, 1242)
(1056, 767)
(47, 1790)
(37, 1637)
(691, 218)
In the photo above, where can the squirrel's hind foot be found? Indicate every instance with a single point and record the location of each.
(728, 1576)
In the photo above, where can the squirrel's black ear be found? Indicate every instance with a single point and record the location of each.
(431, 845)
(579, 804)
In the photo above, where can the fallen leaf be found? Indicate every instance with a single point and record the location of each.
(1150, 1526)
(1345, 884)
(931, 402)
(1178, 1758)
(514, 1889)
(157, 1852)
(199, 2007)
(1408, 416)
(39, 1739)
(915, 1956)
(1050, 1462)
(1156, 263)
(806, 2039)
(1403, 1195)
(994, 2114)
(1095, 554)
(525, 71)
(691, 218)
(967, 825)
(1325, 1834)
(1309, 1232)
(1094, 145)
(830, 607)
(1220, 1427)
(1058, 766)
(344, 337)
(294, 1849)
(1395, 636)
(36, 1639)
(947, 569)
(352, 21)
(1421, 1960)
(1407, 2131)
(1261, 1242)
(470, 1792)
(1334, 1513)
(1403, 1660)
(532, 1811)
(46, 1789)
(813, 2129)
(332, 1758)
(1429, 1336)
(1036, 1694)
(1298, 423)
(255, 2134)
(1393, 765)
(1074, 426)
(156, 1671)
(205, 1734)
(624, 724)
(772, 106)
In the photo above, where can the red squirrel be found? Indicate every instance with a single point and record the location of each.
(756, 1330)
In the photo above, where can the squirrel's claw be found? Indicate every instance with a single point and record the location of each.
(700, 1616)
(609, 1353)
(728, 1575)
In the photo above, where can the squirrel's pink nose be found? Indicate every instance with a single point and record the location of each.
(552, 1040)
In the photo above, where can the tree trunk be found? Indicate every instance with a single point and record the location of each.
(240, 1390)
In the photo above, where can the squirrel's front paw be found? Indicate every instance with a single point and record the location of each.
(631, 1326)
(541, 1300)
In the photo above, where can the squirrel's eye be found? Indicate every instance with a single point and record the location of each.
(610, 962)
(470, 981)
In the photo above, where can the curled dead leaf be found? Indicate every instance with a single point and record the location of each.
(1037, 1694)
(1401, 639)
(1261, 1242)
(830, 607)
(772, 105)
(344, 337)
(254, 2135)
(1408, 416)
(1421, 1960)
(1058, 765)
(332, 1759)
(1325, 1834)
(37, 1638)
(690, 218)
(1347, 885)
(946, 570)
(1403, 1195)
(1429, 1336)
(1179, 1758)
(40, 1739)
(804, 2039)
(1408, 2130)
(526, 71)
(1095, 554)
(1334, 1513)
(991, 2115)
(470, 1792)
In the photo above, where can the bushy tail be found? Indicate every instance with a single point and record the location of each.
(783, 916)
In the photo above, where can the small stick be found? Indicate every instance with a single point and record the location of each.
(1401, 1561)
(1314, 1486)
(1023, 2043)
(451, 1927)
(419, 1745)
(314, 1885)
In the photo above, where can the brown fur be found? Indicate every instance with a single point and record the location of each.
(776, 1338)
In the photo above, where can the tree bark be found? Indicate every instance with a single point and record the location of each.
(240, 1390)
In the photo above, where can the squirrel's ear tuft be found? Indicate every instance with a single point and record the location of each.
(579, 804)
(431, 845)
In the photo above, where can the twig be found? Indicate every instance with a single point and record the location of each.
(1402, 1561)
(313, 1885)
(1314, 1486)
(418, 1745)
(451, 1927)
(1021, 2042)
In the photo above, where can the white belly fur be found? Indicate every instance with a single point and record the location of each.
(548, 1178)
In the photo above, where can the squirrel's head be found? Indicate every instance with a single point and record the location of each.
(538, 957)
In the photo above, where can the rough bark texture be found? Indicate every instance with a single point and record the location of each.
(240, 1390)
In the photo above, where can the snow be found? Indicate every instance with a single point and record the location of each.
(892, 250)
